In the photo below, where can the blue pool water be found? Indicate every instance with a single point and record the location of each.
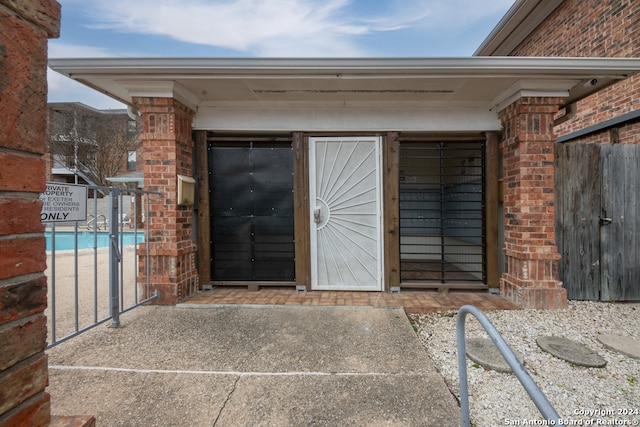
(65, 239)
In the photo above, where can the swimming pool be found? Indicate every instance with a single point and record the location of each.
(65, 239)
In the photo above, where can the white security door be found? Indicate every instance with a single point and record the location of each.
(346, 206)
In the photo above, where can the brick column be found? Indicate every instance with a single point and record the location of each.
(25, 27)
(531, 271)
(167, 152)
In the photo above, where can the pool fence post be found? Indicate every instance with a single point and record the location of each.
(114, 258)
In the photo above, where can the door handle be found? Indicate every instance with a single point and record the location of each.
(605, 221)
(317, 214)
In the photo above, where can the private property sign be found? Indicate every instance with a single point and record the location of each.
(64, 202)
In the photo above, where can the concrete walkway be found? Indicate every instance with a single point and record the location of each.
(252, 366)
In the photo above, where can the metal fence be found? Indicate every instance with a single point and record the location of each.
(92, 265)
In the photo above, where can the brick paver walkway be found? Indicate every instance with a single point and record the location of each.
(413, 301)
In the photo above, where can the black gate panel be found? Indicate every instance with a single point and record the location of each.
(442, 212)
(251, 212)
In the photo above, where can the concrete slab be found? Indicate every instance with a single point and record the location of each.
(126, 398)
(252, 366)
(571, 351)
(625, 345)
(338, 400)
(485, 353)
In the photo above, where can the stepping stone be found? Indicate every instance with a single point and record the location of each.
(624, 345)
(571, 351)
(485, 353)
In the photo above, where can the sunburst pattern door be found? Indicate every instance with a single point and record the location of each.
(346, 207)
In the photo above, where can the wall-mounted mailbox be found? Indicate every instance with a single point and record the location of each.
(186, 190)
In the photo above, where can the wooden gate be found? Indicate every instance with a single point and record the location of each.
(597, 220)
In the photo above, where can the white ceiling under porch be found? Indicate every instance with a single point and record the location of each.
(411, 94)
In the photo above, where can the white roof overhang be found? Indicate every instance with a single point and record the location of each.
(349, 94)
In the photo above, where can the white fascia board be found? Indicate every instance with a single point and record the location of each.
(351, 118)
(338, 67)
(533, 88)
(160, 89)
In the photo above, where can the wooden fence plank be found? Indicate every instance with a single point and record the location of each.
(631, 259)
(632, 290)
(619, 239)
(559, 179)
(599, 261)
(579, 220)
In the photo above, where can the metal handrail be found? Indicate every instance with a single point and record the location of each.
(540, 400)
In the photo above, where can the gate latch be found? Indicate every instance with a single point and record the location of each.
(604, 221)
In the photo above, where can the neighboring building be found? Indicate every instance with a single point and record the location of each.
(598, 149)
(90, 145)
(576, 28)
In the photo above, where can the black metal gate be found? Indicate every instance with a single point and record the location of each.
(252, 220)
(442, 212)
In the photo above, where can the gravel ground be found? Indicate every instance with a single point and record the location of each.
(581, 396)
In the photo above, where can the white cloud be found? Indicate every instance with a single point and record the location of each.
(63, 50)
(244, 25)
(282, 27)
(459, 13)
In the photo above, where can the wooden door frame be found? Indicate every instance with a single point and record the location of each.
(302, 227)
(391, 213)
(203, 219)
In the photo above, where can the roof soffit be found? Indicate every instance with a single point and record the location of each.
(160, 89)
(482, 81)
(534, 88)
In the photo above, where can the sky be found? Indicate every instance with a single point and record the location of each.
(264, 28)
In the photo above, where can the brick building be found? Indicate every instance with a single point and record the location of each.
(573, 28)
(235, 125)
(25, 27)
(354, 174)
(260, 121)
(598, 147)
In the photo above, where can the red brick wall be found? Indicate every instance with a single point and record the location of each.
(168, 151)
(531, 276)
(25, 26)
(592, 28)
